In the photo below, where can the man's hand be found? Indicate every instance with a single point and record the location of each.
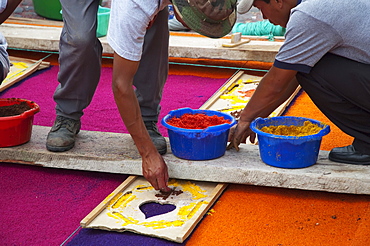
(155, 171)
(239, 134)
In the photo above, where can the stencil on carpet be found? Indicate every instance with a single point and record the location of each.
(151, 209)
(236, 93)
(19, 69)
(135, 206)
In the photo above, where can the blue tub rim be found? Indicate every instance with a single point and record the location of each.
(208, 112)
(324, 131)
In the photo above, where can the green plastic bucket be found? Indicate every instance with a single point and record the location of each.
(48, 8)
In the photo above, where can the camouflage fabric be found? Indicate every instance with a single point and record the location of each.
(211, 18)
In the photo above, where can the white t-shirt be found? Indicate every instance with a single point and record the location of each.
(4, 57)
(128, 23)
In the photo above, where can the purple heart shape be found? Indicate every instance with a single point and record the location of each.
(151, 209)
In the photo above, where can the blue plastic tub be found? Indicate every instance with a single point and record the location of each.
(198, 144)
(288, 151)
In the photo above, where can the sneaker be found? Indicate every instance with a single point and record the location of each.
(349, 155)
(158, 140)
(63, 134)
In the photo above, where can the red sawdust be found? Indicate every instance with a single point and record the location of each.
(196, 121)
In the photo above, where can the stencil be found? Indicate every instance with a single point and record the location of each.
(135, 206)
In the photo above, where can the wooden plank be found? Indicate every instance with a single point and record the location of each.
(18, 73)
(225, 87)
(96, 211)
(232, 45)
(280, 110)
(216, 103)
(42, 65)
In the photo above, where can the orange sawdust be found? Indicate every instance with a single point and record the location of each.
(200, 71)
(260, 216)
(266, 216)
(304, 107)
(22, 21)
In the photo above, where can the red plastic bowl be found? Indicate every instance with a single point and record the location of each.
(17, 129)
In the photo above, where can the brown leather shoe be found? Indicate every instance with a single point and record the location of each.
(62, 135)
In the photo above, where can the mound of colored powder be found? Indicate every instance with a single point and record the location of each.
(197, 121)
(308, 128)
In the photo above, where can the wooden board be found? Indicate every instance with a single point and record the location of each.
(120, 211)
(21, 68)
(235, 94)
(232, 45)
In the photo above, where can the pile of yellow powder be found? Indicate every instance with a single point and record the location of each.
(308, 128)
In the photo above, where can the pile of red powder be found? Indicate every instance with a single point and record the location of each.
(197, 121)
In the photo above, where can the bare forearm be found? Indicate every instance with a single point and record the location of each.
(275, 87)
(133, 120)
(127, 103)
(280, 99)
(153, 166)
(270, 94)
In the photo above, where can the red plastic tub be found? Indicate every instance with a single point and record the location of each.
(17, 129)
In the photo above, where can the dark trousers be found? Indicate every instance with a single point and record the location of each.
(340, 88)
(2, 77)
(80, 53)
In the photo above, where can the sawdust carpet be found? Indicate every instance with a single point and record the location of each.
(252, 215)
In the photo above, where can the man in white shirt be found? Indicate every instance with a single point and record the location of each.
(131, 24)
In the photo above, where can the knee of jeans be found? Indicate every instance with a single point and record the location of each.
(80, 39)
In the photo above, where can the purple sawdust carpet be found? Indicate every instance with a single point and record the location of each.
(44, 206)
(102, 114)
